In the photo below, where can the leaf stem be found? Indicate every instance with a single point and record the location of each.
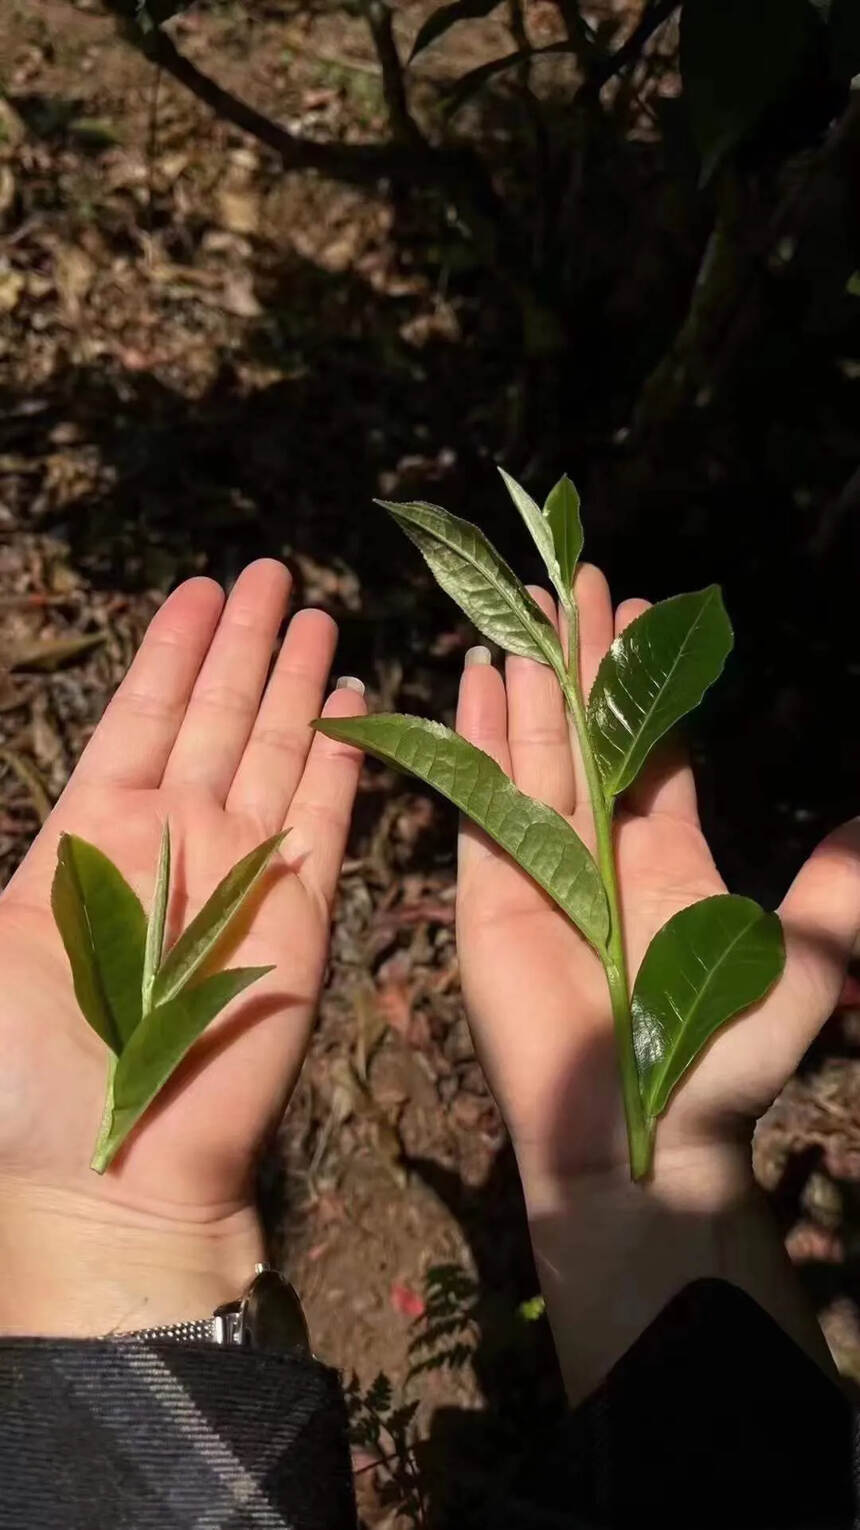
(101, 1154)
(639, 1132)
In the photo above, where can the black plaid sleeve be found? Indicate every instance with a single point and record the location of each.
(116, 1435)
(715, 1420)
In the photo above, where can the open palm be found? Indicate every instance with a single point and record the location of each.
(193, 735)
(535, 991)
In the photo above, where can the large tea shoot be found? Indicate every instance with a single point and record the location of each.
(708, 962)
(148, 1006)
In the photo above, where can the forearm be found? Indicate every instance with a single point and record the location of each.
(611, 1254)
(77, 1266)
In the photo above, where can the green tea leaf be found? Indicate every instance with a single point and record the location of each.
(654, 673)
(197, 942)
(738, 58)
(103, 928)
(155, 924)
(540, 529)
(706, 964)
(438, 23)
(470, 570)
(158, 1045)
(537, 837)
(561, 510)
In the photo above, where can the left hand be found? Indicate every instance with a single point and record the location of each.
(194, 734)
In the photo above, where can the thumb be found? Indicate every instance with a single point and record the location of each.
(821, 919)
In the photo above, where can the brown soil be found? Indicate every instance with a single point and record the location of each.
(198, 361)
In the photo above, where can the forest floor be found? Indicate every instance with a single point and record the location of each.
(202, 359)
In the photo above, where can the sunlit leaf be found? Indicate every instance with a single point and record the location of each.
(655, 672)
(708, 963)
(103, 928)
(739, 57)
(470, 570)
(537, 838)
(196, 943)
(158, 1045)
(156, 922)
(438, 22)
(562, 512)
(541, 532)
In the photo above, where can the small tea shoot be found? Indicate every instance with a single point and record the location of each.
(708, 962)
(144, 1004)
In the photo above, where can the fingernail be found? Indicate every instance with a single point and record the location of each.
(350, 683)
(478, 655)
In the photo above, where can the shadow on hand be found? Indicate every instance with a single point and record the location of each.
(713, 1385)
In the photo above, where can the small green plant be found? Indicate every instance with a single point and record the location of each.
(711, 960)
(142, 1003)
(444, 1336)
(385, 1428)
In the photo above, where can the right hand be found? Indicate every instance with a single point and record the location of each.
(536, 992)
(610, 1253)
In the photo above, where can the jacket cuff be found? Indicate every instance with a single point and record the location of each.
(102, 1434)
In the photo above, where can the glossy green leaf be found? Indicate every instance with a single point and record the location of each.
(738, 58)
(158, 1045)
(562, 512)
(541, 532)
(196, 943)
(537, 838)
(708, 963)
(157, 918)
(103, 928)
(438, 22)
(470, 570)
(654, 673)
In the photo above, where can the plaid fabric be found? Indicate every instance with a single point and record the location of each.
(110, 1435)
(715, 1420)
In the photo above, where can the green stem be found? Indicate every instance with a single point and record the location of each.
(639, 1129)
(101, 1153)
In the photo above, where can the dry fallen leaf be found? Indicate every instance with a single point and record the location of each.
(239, 297)
(11, 287)
(74, 273)
(12, 128)
(370, 1027)
(8, 193)
(51, 653)
(31, 780)
(239, 209)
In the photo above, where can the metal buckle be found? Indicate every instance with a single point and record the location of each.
(268, 1317)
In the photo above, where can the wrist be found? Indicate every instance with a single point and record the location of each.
(697, 1180)
(75, 1265)
(611, 1254)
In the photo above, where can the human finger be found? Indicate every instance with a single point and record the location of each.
(821, 918)
(276, 752)
(226, 695)
(596, 631)
(482, 719)
(538, 737)
(319, 815)
(132, 743)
